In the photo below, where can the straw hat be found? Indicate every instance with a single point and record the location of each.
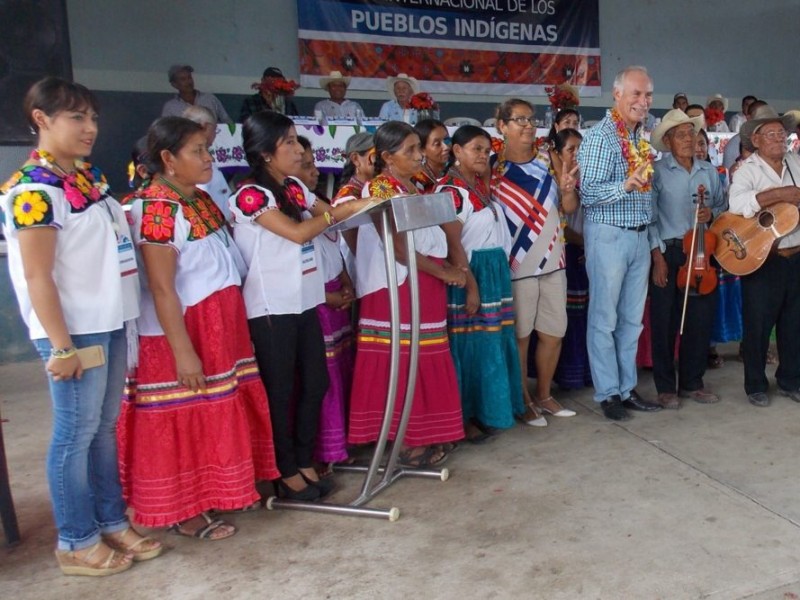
(672, 119)
(763, 115)
(390, 81)
(324, 82)
(719, 97)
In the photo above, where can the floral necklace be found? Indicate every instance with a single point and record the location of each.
(84, 186)
(635, 154)
(474, 189)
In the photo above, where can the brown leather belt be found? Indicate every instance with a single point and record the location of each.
(787, 252)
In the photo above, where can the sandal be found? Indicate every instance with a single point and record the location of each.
(72, 564)
(532, 416)
(551, 406)
(257, 505)
(143, 548)
(203, 533)
(424, 459)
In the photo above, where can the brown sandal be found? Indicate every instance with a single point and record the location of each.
(144, 548)
(73, 564)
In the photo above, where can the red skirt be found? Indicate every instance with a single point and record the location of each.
(436, 413)
(183, 452)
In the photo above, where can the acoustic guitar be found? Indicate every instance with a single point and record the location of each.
(743, 244)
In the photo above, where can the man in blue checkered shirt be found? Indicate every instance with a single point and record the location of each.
(617, 208)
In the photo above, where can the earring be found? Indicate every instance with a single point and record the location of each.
(457, 163)
(267, 159)
(171, 172)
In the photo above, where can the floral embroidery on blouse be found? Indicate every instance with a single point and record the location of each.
(250, 201)
(295, 193)
(31, 208)
(385, 187)
(349, 191)
(203, 215)
(158, 221)
(423, 182)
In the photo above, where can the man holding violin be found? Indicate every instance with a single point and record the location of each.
(687, 195)
(771, 294)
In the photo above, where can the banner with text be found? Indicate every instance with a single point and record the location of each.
(496, 47)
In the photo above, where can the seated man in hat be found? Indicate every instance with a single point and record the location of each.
(402, 88)
(677, 179)
(180, 77)
(771, 294)
(266, 99)
(337, 107)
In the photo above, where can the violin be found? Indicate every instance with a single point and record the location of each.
(697, 273)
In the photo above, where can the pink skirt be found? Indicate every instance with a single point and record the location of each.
(436, 414)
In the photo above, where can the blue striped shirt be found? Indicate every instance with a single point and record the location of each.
(603, 173)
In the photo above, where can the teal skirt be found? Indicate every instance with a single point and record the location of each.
(484, 345)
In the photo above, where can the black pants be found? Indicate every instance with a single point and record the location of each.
(770, 297)
(290, 353)
(666, 305)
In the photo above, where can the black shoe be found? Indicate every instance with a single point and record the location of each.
(613, 409)
(636, 402)
(309, 493)
(325, 486)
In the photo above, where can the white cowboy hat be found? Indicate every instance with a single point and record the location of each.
(719, 97)
(390, 81)
(324, 82)
(761, 116)
(672, 119)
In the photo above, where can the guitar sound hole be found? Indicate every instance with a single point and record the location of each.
(766, 219)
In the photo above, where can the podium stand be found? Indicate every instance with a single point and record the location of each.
(408, 213)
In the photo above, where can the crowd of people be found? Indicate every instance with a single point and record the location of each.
(225, 338)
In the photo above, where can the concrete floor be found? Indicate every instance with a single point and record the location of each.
(698, 503)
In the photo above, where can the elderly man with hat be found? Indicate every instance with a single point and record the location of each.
(402, 88)
(771, 294)
(677, 181)
(180, 77)
(337, 106)
(265, 98)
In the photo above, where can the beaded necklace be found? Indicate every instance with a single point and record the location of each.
(216, 227)
(635, 154)
(485, 201)
(84, 186)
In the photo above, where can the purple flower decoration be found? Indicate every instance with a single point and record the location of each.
(40, 175)
(238, 153)
(320, 154)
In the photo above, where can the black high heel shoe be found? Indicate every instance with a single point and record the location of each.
(325, 486)
(310, 493)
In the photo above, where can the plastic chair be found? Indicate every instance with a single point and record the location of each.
(459, 121)
(490, 122)
(587, 124)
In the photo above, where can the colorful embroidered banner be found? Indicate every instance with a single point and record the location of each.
(497, 47)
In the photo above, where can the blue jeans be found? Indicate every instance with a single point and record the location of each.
(82, 468)
(618, 265)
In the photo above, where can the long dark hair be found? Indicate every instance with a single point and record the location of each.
(261, 133)
(560, 116)
(388, 138)
(52, 95)
(425, 128)
(463, 136)
(167, 133)
(559, 139)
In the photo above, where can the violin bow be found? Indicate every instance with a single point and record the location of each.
(691, 257)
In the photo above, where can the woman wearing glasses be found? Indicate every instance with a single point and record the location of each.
(530, 195)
